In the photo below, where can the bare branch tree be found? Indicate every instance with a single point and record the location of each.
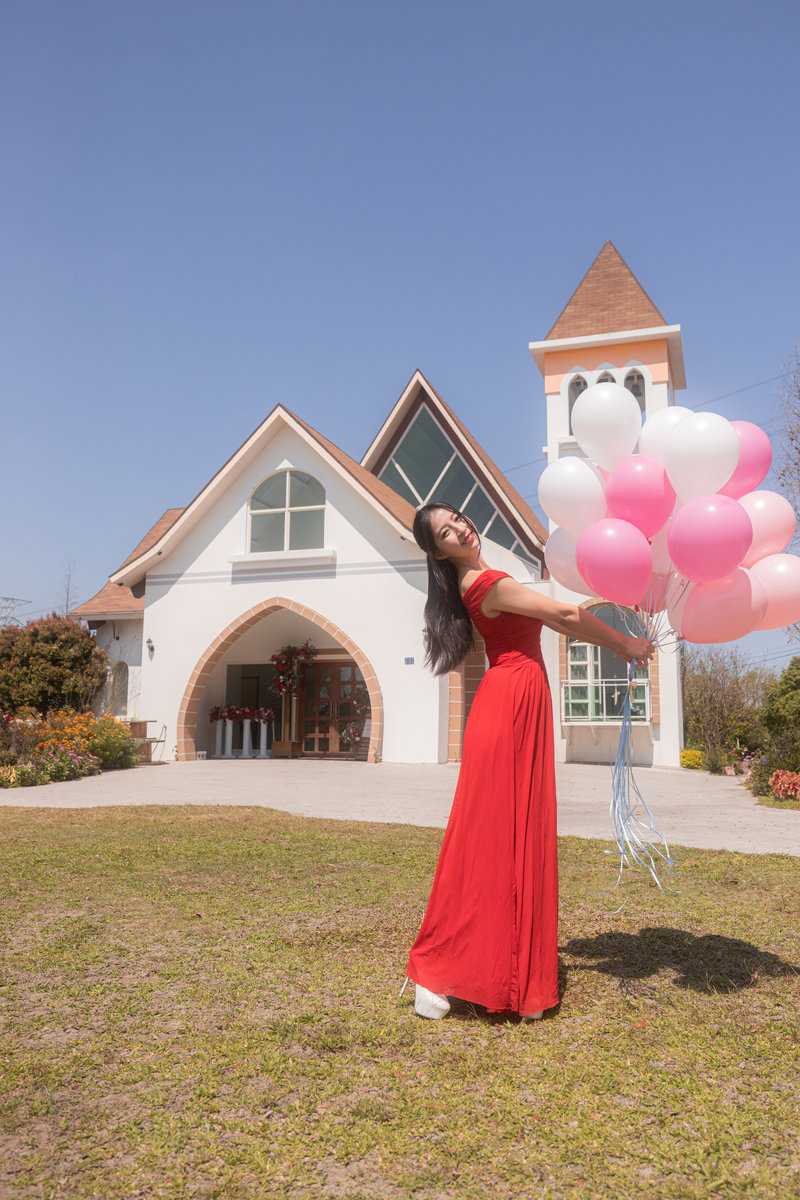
(722, 694)
(67, 587)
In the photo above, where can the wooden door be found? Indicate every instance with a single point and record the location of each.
(333, 698)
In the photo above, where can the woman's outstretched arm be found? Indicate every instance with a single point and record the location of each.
(509, 596)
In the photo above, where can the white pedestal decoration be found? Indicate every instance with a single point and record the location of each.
(228, 739)
(263, 752)
(247, 739)
(218, 739)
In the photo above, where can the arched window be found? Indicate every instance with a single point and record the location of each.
(597, 678)
(118, 690)
(287, 512)
(576, 386)
(606, 377)
(634, 382)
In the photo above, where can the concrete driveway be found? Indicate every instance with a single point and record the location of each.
(691, 808)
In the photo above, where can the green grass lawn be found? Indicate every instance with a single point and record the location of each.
(203, 1002)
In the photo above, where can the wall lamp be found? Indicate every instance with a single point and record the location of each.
(149, 644)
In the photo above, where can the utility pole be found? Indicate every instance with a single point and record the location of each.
(7, 606)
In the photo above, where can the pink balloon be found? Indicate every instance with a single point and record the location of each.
(773, 521)
(680, 590)
(638, 491)
(615, 560)
(708, 537)
(656, 593)
(559, 555)
(724, 609)
(662, 563)
(755, 460)
(780, 575)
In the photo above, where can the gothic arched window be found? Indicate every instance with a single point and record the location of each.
(634, 382)
(576, 386)
(287, 512)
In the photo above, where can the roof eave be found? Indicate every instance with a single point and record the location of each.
(669, 333)
(136, 570)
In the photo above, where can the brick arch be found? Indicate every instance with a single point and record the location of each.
(187, 713)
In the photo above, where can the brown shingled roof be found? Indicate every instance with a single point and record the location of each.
(112, 600)
(609, 299)
(152, 536)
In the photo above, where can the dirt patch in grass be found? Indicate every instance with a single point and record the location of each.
(204, 1003)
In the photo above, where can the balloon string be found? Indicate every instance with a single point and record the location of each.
(639, 841)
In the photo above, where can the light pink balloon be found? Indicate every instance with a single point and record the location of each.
(755, 460)
(773, 521)
(724, 609)
(780, 575)
(615, 560)
(654, 598)
(658, 544)
(637, 490)
(680, 590)
(559, 555)
(708, 537)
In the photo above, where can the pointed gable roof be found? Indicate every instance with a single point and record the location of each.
(608, 299)
(507, 499)
(176, 523)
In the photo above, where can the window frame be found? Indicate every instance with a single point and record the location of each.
(286, 510)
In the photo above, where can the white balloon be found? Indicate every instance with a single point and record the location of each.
(559, 555)
(656, 430)
(700, 454)
(606, 422)
(571, 492)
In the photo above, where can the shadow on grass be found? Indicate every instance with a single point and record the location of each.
(709, 963)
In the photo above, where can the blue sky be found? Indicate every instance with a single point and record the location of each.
(210, 207)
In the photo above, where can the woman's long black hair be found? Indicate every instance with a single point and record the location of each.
(448, 628)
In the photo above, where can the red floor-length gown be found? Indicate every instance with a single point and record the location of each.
(489, 932)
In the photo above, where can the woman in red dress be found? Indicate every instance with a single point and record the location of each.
(489, 931)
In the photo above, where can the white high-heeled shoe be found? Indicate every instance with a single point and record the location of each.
(532, 1016)
(432, 1005)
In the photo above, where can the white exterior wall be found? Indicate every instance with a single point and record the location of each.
(122, 640)
(374, 591)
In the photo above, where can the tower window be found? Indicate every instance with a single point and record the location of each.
(577, 385)
(634, 382)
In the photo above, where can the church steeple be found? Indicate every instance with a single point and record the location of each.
(608, 299)
(610, 330)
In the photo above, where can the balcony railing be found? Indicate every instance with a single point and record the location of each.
(600, 701)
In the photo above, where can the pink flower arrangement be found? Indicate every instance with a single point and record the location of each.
(228, 712)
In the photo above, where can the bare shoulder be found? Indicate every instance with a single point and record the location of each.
(466, 581)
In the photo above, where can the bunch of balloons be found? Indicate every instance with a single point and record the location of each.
(678, 530)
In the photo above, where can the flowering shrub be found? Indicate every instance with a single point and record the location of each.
(18, 735)
(228, 712)
(104, 738)
(692, 760)
(785, 785)
(56, 766)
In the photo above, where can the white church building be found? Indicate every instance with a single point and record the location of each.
(293, 540)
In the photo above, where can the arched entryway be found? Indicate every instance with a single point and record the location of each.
(192, 696)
